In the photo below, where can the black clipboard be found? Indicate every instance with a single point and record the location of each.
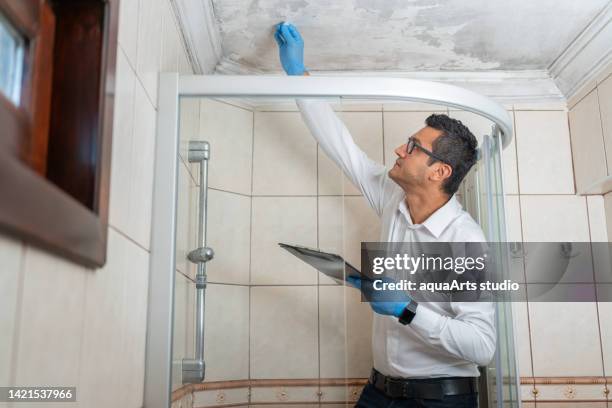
(332, 265)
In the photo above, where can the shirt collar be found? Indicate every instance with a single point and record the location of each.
(440, 219)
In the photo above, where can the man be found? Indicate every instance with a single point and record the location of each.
(425, 355)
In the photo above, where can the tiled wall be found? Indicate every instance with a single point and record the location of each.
(65, 325)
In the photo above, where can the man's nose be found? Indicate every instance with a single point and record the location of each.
(401, 151)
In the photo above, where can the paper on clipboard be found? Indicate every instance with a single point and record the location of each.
(332, 265)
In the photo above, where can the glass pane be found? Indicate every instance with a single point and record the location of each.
(11, 61)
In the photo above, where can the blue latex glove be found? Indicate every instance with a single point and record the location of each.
(290, 48)
(379, 300)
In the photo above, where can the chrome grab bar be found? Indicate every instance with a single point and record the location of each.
(193, 369)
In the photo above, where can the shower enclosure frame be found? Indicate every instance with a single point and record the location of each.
(172, 86)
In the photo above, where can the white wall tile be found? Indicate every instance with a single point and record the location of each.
(51, 321)
(605, 323)
(186, 220)
(189, 129)
(597, 218)
(112, 352)
(510, 164)
(229, 130)
(522, 341)
(478, 125)
(345, 324)
(128, 29)
(123, 154)
(554, 218)
(587, 142)
(150, 35)
(290, 220)
(608, 209)
(543, 152)
(604, 91)
(344, 222)
(568, 344)
(513, 219)
(229, 235)
(284, 155)
(284, 333)
(171, 42)
(226, 340)
(182, 287)
(398, 127)
(11, 254)
(366, 129)
(141, 190)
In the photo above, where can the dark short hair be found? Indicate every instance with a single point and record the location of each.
(456, 145)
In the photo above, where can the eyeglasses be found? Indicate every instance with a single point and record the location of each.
(412, 144)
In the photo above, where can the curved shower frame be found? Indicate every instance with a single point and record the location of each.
(158, 370)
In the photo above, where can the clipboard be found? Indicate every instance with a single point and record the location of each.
(330, 264)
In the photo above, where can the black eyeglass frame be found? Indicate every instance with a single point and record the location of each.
(411, 144)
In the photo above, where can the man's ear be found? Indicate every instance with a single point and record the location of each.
(441, 172)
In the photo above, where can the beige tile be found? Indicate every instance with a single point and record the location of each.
(608, 209)
(123, 154)
(128, 29)
(565, 339)
(186, 220)
(284, 157)
(522, 342)
(11, 254)
(510, 164)
(51, 321)
(584, 90)
(366, 129)
(290, 220)
(554, 218)
(112, 352)
(182, 287)
(141, 189)
(229, 130)
(150, 35)
(220, 397)
(345, 324)
(189, 129)
(229, 235)
(543, 152)
(345, 222)
(284, 332)
(597, 218)
(587, 142)
(513, 219)
(171, 43)
(285, 395)
(477, 124)
(604, 92)
(605, 325)
(398, 127)
(226, 340)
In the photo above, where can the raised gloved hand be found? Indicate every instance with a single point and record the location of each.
(290, 48)
(382, 302)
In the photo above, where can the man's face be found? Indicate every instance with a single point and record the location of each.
(412, 169)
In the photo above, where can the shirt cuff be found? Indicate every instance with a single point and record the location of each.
(426, 321)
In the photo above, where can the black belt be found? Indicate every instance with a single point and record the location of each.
(426, 388)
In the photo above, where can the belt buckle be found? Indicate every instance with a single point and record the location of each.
(398, 388)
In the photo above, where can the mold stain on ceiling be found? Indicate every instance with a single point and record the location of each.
(406, 35)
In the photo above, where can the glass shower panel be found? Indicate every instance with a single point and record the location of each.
(277, 330)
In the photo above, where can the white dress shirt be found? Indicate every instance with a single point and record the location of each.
(444, 338)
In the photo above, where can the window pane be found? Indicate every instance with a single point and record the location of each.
(11, 60)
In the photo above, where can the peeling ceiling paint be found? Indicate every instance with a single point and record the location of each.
(411, 35)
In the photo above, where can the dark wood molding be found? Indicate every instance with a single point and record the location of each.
(55, 160)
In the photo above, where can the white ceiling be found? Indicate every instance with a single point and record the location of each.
(405, 35)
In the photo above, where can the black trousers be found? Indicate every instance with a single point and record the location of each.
(373, 398)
